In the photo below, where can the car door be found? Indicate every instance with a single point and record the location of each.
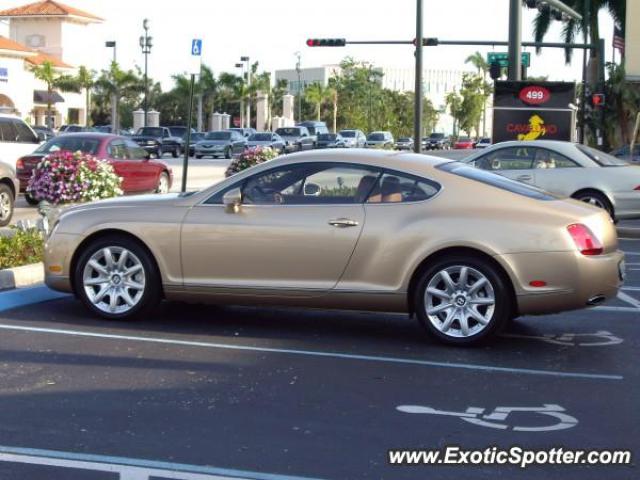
(557, 173)
(293, 235)
(515, 163)
(16, 140)
(117, 153)
(145, 172)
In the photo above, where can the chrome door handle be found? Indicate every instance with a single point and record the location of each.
(343, 223)
(522, 178)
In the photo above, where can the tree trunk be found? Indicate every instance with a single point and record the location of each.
(318, 111)
(114, 113)
(50, 93)
(335, 114)
(87, 110)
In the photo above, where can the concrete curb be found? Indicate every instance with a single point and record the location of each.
(24, 276)
(628, 232)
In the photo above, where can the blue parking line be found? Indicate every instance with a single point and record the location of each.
(27, 296)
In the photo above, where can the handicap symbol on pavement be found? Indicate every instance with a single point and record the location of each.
(498, 419)
(601, 338)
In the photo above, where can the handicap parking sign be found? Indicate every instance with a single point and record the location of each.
(196, 47)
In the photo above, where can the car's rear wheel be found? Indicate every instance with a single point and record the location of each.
(163, 183)
(462, 300)
(116, 278)
(596, 199)
(6, 204)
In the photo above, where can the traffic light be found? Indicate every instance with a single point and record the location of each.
(597, 100)
(427, 42)
(495, 70)
(326, 42)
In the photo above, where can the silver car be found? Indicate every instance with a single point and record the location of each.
(9, 186)
(567, 169)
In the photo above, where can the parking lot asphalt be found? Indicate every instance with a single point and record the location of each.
(280, 393)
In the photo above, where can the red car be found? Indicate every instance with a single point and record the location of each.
(464, 143)
(139, 173)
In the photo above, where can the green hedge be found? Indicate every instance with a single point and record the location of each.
(23, 248)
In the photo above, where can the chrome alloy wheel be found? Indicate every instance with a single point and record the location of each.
(5, 205)
(460, 301)
(114, 280)
(163, 183)
(596, 202)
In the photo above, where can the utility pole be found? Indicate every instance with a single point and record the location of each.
(114, 97)
(299, 72)
(241, 67)
(146, 44)
(515, 40)
(248, 106)
(417, 110)
(583, 99)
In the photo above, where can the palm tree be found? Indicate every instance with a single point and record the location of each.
(481, 65)
(454, 102)
(53, 78)
(316, 94)
(208, 89)
(85, 79)
(542, 21)
(118, 83)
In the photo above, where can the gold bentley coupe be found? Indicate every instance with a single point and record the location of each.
(461, 249)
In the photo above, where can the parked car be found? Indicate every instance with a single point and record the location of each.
(221, 143)
(266, 139)
(353, 138)
(436, 141)
(139, 173)
(73, 128)
(391, 234)
(483, 143)
(404, 143)
(569, 170)
(9, 187)
(330, 140)
(16, 139)
(380, 140)
(195, 138)
(296, 139)
(315, 128)
(158, 141)
(245, 132)
(464, 143)
(43, 133)
(623, 153)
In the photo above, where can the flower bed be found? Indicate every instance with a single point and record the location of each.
(64, 177)
(249, 158)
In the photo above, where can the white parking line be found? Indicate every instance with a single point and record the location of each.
(629, 299)
(315, 353)
(131, 468)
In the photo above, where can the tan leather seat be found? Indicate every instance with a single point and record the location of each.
(391, 190)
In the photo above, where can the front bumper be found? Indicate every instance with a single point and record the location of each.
(572, 279)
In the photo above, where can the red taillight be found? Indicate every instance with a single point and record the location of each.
(585, 240)
(20, 164)
(637, 188)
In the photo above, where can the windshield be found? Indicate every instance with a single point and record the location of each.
(327, 136)
(601, 158)
(178, 131)
(375, 137)
(495, 180)
(260, 137)
(436, 136)
(150, 131)
(218, 136)
(404, 140)
(71, 144)
(348, 133)
(288, 132)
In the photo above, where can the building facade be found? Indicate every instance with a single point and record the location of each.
(632, 41)
(40, 32)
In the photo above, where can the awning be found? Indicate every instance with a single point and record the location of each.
(43, 96)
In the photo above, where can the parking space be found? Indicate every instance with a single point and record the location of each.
(311, 393)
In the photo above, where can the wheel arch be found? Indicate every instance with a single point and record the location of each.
(594, 190)
(106, 233)
(449, 251)
(7, 181)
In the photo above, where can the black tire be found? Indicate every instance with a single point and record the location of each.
(152, 293)
(176, 153)
(502, 307)
(227, 153)
(7, 200)
(159, 153)
(31, 200)
(597, 199)
(198, 156)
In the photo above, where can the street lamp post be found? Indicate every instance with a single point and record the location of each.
(241, 67)
(417, 107)
(145, 44)
(371, 78)
(299, 72)
(248, 106)
(114, 97)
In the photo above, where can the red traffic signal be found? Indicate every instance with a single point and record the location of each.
(326, 42)
(427, 42)
(597, 99)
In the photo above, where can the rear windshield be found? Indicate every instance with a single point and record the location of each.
(178, 131)
(436, 136)
(488, 178)
(348, 133)
(601, 158)
(71, 144)
(289, 132)
(150, 131)
(375, 137)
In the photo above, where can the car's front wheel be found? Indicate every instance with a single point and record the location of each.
(6, 204)
(116, 278)
(462, 300)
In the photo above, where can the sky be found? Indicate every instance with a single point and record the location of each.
(271, 32)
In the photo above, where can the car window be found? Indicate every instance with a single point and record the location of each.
(601, 158)
(117, 150)
(71, 144)
(134, 151)
(394, 187)
(25, 134)
(7, 130)
(512, 158)
(550, 159)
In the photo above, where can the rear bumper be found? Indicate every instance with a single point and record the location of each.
(572, 280)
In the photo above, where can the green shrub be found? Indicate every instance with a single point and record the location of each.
(23, 248)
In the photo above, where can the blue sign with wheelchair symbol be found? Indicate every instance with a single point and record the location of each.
(196, 47)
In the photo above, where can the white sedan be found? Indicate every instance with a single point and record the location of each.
(567, 169)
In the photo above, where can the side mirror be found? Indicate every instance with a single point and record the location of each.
(232, 200)
(312, 189)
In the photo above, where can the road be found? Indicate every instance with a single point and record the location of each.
(279, 394)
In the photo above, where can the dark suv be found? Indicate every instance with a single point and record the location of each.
(160, 140)
(436, 141)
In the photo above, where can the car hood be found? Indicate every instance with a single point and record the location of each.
(153, 199)
(138, 138)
